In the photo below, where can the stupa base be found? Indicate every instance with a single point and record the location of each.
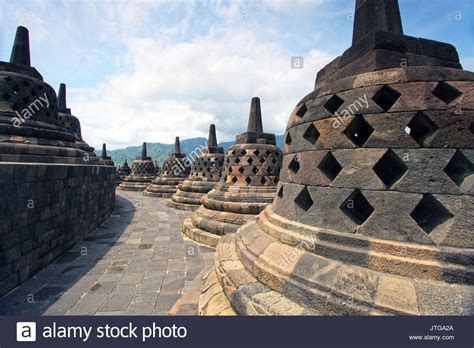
(132, 186)
(163, 187)
(189, 194)
(273, 266)
(182, 206)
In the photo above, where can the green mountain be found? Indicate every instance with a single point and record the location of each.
(159, 151)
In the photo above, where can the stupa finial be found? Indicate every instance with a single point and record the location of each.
(212, 140)
(21, 47)
(376, 15)
(255, 117)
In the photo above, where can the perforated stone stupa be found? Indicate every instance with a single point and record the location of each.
(141, 175)
(123, 172)
(174, 171)
(52, 192)
(206, 171)
(248, 184)
(375, 209)
(72, 124)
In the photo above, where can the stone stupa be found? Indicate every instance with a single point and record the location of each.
(375, 210)
(141, 175)
(123, 172)
(174, 171)
(206, 171)
(104, 159)
(71, 123)
(248, 184)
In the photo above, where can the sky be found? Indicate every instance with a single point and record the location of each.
(151, 70)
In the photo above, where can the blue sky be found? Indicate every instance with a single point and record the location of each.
(149, 70)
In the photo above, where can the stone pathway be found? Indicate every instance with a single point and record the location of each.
(137, 263)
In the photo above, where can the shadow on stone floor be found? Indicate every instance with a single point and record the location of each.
(38, 293)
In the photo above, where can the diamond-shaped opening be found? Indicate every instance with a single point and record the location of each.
(250, 160)
(430, 213)
(357, 208)
(330, 166)
(256, 152)
(421, 127)
(358, 131)
(304, 201)
(262, 160)
(25, 83)
(459, 168)
(288, 139)
(248, 180)
(233, 152)
(386, 97)
(280, 192)
(6, 96)
(333, 104)
(390, 168)
(26, 99)
(241, 170)
(301, 110)
(268, 153)
(234, 179)
(16, 88)
(269, 170)
(255, 170)
(237, 160)
(294, 165)
(311, 134)
(243, 152)
(445, 92)
(263, 181)
(274, 161)
(8, 78)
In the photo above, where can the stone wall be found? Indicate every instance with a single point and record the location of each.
(44, 210)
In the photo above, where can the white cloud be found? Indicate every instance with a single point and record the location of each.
(179, 88)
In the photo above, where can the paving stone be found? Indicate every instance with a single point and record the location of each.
(117, 301)
(131, 278)
(87, 305)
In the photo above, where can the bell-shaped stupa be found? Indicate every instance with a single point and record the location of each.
(71, 122)
(248, 184)
(375, 210)
(32, 125)
(104, 159)
(205, 173)
(174, 171)
(122, 172)
(141, 175)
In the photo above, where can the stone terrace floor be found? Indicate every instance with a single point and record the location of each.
(136, 263)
